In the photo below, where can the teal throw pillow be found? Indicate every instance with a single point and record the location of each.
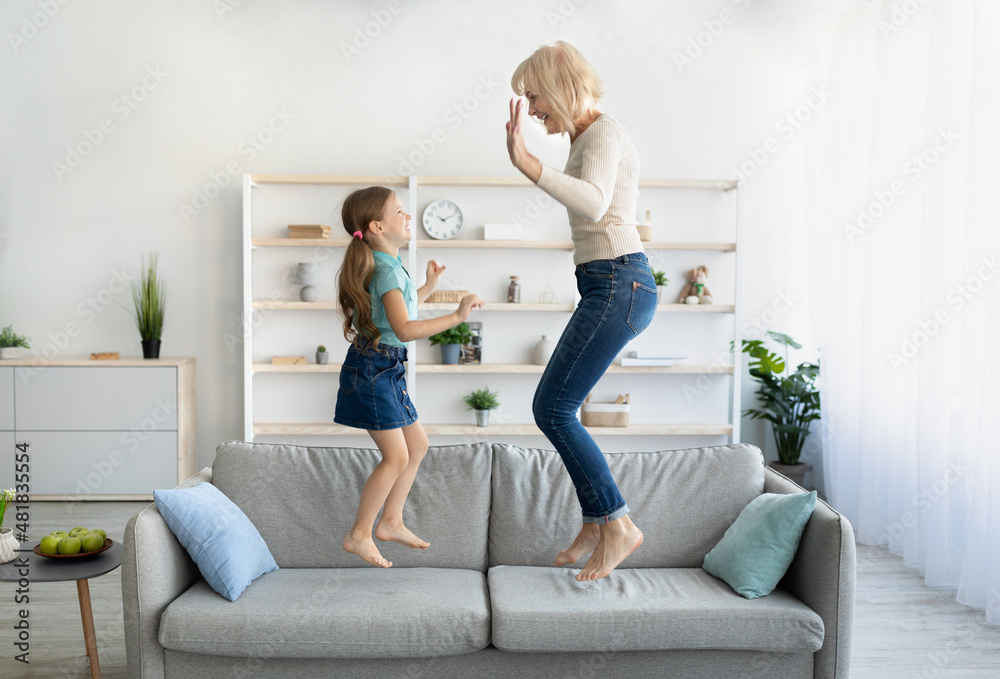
(227, 547)
(759, 547)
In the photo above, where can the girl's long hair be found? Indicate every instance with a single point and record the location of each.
(361, 208)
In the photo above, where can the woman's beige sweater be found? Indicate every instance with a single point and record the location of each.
(599, 187)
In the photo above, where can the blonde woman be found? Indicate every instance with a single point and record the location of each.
(599, 187)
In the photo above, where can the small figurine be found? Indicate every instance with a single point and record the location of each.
(695, 291)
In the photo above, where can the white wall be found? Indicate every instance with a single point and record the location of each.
(210, 80)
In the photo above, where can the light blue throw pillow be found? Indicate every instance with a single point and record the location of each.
(759, 547)
(227, 547)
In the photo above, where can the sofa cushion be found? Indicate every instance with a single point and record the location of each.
(303, 501)
(757, 549)
(336, 613)
(682, 500)
(633, 609)
(217, 536)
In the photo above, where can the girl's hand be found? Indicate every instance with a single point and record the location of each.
(468, 303)
(519, 156)
(434, 271)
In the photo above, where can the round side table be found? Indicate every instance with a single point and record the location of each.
(42, 569)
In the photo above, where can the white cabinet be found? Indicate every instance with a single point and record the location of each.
(6, 400)
(98, 430)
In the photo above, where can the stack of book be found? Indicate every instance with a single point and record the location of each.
(648, 358)
(308, 231)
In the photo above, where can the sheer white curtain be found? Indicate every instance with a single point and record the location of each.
(904, 245)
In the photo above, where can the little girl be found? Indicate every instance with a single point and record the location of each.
(379, 302)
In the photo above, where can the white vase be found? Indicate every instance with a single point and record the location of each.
(543, 351)
(8, 545)
(10, 352)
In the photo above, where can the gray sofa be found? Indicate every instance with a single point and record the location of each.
(484, 600)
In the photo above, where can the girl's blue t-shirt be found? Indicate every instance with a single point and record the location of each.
(390, 275)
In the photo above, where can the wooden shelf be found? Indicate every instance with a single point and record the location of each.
(474, 244)
(489, 306)
(290, 304)
(384, 180)
(344, 180)
(301, 368)
(504, 369)
(513, 368)
(323, 429)
(498, 306)
(300, 242)
(697, 308)
(663, 245)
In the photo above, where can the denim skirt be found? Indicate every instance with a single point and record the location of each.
(373, 393)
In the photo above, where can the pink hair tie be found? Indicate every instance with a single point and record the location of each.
(357, 234)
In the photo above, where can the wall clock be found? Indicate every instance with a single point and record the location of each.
(442, 219)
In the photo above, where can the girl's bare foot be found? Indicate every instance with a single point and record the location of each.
(584, 544)
(365, 547)
(397, 532)
(619, 538)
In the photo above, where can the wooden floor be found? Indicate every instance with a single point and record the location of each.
(902, 629)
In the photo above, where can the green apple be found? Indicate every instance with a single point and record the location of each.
(101, 531)
(60, 534)
(92, 541)
(70, 545)
(78, 531)
(50, 544)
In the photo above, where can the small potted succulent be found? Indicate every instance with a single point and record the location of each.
(451, 341)
(149, 296)
(482, 401)
(10, 341)
(661, 284)
(322, 357)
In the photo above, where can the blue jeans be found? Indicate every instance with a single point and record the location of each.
(618, 301)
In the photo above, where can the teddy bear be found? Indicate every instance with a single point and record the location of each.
(695, 291)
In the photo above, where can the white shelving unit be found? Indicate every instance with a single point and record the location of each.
(252, 305)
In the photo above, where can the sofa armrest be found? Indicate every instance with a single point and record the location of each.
(823, 576)
(156, 569)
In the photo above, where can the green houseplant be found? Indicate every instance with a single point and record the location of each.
(451, 341)
(788, 401)
(661, 284)
(10, 341)
(322, 357)
(482, 401)
(149, 296)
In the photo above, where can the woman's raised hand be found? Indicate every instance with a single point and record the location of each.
(519, 156)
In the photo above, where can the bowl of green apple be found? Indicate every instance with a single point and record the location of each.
(73, 544)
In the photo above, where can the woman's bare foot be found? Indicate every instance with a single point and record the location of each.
(619, 538)
(397, 532)
(582, 546)
(365, 547)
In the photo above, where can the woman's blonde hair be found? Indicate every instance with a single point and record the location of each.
(567, 81)
(361, 208)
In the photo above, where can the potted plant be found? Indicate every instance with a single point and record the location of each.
(451, 341)
(8, 545)
(789, 402)
(322, 358)
(149, 295)
(482, 401)
(661, 284)
(10, 341)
